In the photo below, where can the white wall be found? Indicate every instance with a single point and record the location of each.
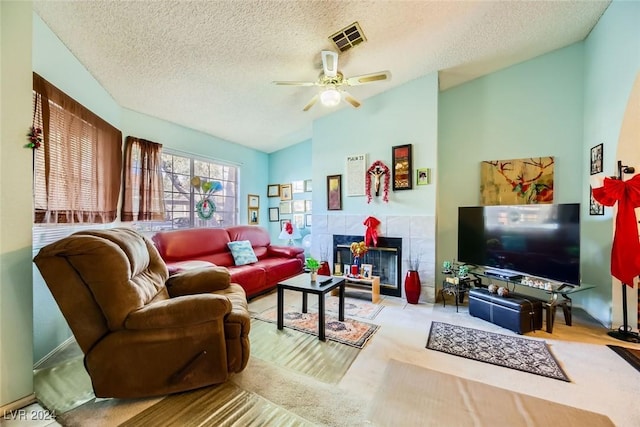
(16, 212)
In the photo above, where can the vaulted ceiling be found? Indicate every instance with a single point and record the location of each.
(209, 65)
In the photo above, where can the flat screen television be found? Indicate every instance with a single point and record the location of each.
(535, 240)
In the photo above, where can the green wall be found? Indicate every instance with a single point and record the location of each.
(16, 211)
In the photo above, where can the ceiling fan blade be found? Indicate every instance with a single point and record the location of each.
(310, 103)
(296, 83)
(329, 63)
(368, 78)
(350, 99)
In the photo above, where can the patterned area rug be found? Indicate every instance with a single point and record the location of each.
(352, 307)
(350, 332)
(509, 351)
(629, 354)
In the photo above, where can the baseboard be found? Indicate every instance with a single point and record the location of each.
(49, 355)
(18, 404)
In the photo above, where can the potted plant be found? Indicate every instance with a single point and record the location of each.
(312, 265)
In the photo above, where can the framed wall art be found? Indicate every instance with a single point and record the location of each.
(285, 208)
(334, 192)
(273, 190)
(356, 171)
(596, 159)
(517, 181)
(402, 167)
(253, 201)
(423, 176)
(298, 206)
(285, 191)
(274, 214)
(595, 208)
(307, 220)
(297, 186)
(298, 220)
(308, 185)
(254, 216)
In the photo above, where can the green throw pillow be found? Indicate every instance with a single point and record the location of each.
(242, 252)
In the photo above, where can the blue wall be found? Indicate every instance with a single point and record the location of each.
(290, 164)
(528, 110)
(612, 62)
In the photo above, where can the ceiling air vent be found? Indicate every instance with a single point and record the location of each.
(348, 37)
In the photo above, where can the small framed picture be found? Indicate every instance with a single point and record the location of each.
(253, 201)
(285, 208)
(298, 220)
(254, 216)
(307, 206)
(595, 208)
(307, 220)
(298, 206)
(307, 185)
(402, 173)
(274, 214)
(297, 186)
(273, 190)
(423, 176)
(334, 192)
(285, 191)
(367, 271)
(596, 159)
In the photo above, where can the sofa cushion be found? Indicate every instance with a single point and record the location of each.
(278, 269)
(194, 243)
(242, 252)
(258, 236)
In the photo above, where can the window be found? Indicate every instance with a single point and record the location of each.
(77, 170)
(181, 198)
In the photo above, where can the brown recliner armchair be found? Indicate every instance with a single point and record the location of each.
(142, 333)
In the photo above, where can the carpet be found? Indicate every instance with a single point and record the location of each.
(350, 332)
(410, 395)
(631, 355)
(352, 307)
(509, 351)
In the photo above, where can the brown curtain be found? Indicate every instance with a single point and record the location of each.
(142, 198)
(78, 168)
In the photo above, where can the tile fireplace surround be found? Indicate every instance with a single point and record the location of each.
(418, 235)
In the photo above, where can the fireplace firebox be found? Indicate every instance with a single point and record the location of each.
(386, 259)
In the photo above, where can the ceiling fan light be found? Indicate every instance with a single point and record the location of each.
(330, 97)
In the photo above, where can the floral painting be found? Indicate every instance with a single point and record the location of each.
(518, 181)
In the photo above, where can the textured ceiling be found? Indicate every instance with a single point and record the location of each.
(209, 65)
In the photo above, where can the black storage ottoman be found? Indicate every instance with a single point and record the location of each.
(520, 313)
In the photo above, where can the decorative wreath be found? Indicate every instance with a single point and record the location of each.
(205, 208)
(378, 168)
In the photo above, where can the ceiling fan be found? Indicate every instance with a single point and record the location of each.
(332, 82)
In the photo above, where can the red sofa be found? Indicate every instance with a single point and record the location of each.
(197, 247)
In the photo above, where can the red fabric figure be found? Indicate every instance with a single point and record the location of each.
(371, 235)
(625, 252)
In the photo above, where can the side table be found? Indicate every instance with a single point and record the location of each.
(457, 287)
